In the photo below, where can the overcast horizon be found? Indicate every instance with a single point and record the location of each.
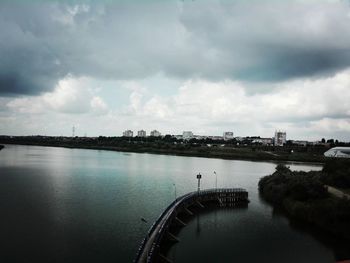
(204, 66)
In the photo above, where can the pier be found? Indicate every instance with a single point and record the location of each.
(222, 197)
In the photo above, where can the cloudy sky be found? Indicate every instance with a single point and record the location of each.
(209, 66)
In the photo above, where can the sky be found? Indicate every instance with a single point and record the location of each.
(207, 66)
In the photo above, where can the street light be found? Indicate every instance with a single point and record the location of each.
(216, 180)
(174, 190)
(199, 176)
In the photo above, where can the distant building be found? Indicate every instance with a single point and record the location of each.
(280, 138)
(215, 138)
(128, 133)
(228, 136)
(141, 133)
(199, 137)
(187, 135)
(155, 133)
(266, 141)
(263, 141)
(178, 137)
(300, 143)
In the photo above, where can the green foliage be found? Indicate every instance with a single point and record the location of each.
(336, 172)
(281, 169)
(304, 196)
(284, 183)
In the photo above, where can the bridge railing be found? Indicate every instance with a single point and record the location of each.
(154, 225)
(152, 228)
(165, 218)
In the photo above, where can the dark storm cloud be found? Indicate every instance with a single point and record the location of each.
(28, 55)
(43, 42)
(291, 63)
(272, 41)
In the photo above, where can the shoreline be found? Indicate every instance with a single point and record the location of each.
(214, 155)
(304, 196)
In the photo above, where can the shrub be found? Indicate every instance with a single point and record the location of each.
(336, 172)
(304, 196)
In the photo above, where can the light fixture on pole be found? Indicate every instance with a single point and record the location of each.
(216, 180)
(174, 190)
(199, 176)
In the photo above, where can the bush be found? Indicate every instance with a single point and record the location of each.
(304, 196)
(336, 172)
(284, 183)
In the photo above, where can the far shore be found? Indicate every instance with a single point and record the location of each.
(233, 154)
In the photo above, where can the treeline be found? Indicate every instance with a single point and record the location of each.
(337, 173)
(167, 141)
(304, 195)
(170, 145)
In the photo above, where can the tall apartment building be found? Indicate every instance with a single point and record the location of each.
(186, 135)
(228, 136)
(141, 133)
(155, 133)
(280, 138)
(128, 133)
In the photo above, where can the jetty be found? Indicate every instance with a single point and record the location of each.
(149, 250)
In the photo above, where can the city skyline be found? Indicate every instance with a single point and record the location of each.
(203, 66)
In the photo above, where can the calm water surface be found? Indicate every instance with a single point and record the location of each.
(74, 205)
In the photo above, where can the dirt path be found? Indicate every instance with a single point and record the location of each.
(336, 192)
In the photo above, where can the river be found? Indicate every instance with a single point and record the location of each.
(75, 205)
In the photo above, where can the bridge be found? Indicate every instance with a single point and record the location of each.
(149, 251)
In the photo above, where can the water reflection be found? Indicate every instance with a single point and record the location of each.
(71, 205)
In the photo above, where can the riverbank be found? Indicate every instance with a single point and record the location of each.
(305, 197)
(1, 147)
(193, 150)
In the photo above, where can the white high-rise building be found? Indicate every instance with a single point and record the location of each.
(228, 136)
(155, 133)
(128, 133)
(141, 133)
(280, 138)
(187, 135)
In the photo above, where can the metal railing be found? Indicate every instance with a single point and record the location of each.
(165, 219)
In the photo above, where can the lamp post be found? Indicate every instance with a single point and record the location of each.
(216, 180)
(174, 190)
(199, 176)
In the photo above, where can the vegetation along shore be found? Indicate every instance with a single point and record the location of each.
(232, 149)
(306, 196)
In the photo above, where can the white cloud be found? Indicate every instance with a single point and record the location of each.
(157, 108)
(207, 66)
(98, 105)
(309, 108)
(71, 96)
(300, 106)
(135, 100)
(212, 40)
(26, 105)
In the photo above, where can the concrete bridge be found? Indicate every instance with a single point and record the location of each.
(149, 249)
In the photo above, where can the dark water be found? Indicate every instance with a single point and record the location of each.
(72, 205)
